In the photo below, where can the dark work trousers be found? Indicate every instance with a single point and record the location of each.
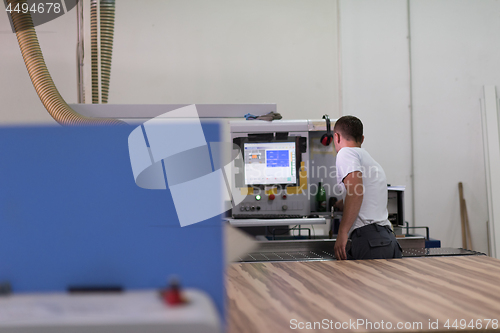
(373, 242)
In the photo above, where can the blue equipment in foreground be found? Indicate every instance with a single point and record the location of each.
(71, 215)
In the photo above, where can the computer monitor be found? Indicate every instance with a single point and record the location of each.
(268, 163)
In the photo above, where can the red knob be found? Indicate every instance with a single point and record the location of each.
(271, 197)
(173, 296)
(284, 196)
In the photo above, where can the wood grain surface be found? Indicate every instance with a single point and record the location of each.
(268, 297)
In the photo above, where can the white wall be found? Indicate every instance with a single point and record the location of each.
(228, 51)
(454, 52)
(376, 84)
(19, 103)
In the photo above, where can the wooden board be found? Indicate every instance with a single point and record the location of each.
(267, 297)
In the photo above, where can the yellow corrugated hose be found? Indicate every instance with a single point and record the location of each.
(40, 76)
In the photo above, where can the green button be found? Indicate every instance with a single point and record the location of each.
(257, 197)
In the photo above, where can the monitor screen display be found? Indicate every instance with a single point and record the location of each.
(270, 163)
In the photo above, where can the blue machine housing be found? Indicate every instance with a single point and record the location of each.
(72, 215)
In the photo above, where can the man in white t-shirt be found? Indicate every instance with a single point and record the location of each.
(364, 218)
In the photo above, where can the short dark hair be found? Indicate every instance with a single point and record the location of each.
(350, 128)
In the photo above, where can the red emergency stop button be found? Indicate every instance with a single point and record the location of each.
(271, 197)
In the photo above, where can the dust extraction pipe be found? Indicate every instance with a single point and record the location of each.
(40, 76)
(105, 32)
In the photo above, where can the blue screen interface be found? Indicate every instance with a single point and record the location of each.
(277, 158)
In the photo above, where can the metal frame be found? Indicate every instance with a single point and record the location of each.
(135, 111)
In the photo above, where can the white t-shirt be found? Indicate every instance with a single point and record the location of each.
(374, 206)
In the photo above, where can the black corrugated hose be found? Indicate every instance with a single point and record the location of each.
(107, 26)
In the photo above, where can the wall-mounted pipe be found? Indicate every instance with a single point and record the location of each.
(94, 50)
(102, 25)
(40, 76)
(80, 52)
(107, 25)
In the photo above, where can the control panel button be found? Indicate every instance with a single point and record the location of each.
(271, 196)
(284, 196)
(284, 207)
(257, 197)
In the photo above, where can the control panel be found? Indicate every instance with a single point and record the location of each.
(271, 172)
(273, 203)
(275, 200)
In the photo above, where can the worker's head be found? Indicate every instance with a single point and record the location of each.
(348, 132)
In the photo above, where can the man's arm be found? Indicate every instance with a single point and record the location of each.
(339, 205)
(354, 198)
